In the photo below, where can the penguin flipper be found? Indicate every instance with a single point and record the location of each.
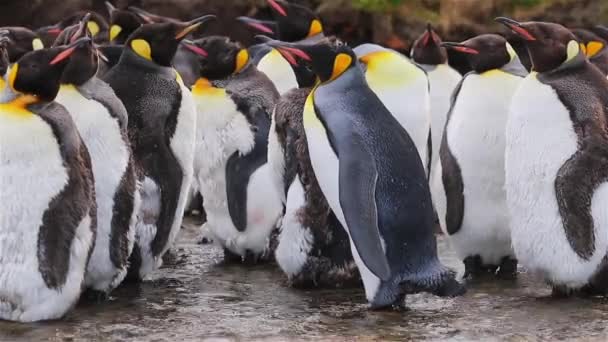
(357, 185)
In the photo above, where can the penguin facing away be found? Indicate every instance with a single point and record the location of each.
(428, 53)
(594, 47)
(162, 128)
(403, 88)
(47, 226)
(234, 101)
(369, 170)
(22, 41)
(556, 177)
(469, 192)
(101, 120)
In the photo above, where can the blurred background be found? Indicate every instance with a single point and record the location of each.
(393, 23)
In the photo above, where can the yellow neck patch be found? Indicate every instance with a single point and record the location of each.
(572, 50)
(310, 118)
(93, 27)
(389, 69)
(315, 28)
(203, 87)
(18, 106)
(341, 63)
(114, 32)
(593, 48)
(241, 60)
(142, 48)
(37, 44)
(12, 76)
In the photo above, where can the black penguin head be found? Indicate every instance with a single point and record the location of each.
(158, 42)
(427, 48)
(549, 45)
(97, 25)
(151, 18)
(328, 58)
(122, 24)
(601, 31)
(4, 61)
(22, 40)
(219, 57)
(83, 62)
(590, 43)
(38, 73)
(484, 52)
(265, 27)
(294, 22)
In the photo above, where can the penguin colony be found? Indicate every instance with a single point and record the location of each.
(334, 162)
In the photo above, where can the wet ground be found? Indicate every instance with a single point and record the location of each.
(195, 297)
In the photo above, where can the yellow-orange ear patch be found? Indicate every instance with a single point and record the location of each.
(315, 28)
(341, 63)
(13, 75)
(142, 48)
(242, 57)
(593, 48)
(93, 27)
(114, 32)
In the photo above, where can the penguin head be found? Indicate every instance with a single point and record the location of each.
(122, 24)
(590, 43)
(484, 52)
(159, 42)
(21, 41)
(328, 58)
(97, 25)
(266, 27)
(219, 57)
(549, 45)
(4, 61)
(427, 48)
(295, 22)
(38, 73)
(83, 62)
(151, 18)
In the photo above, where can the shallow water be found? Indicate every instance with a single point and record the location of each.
(195, 297)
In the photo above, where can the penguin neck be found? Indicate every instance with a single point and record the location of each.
(353, 76)
(579, 61)
(514, 67)
(20, 105)
(130, 59)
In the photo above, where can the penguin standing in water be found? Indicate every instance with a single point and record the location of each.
(469, 194)
(556, 162)
(22, 41)
(428, 53)
(47, 226)
(234, 101)
(101, 120)
(403, 88)
(369, 170)
(594, 47)
(162, 129)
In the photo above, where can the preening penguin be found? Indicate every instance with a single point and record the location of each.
(162, 129)
(101, 120)
(369, 170)
(234, 102)
(97, 25)
(428, 53)
(22, 41)
(469, 191)
(403, 88)
(594, 48)
(47, 226)
(556, 170)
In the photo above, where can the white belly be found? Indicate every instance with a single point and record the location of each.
(31, 175)
(109, 157)
(276, 160)
(278, 71)
(476, 136)
(540, 138)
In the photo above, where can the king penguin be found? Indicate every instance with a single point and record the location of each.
(556, 170)
(594, 47)
(101, 120)
(97, 25)
(234, 102)
(369, 170)
(22, 41)
(469, 192)
(47, 226)
(403, 88)
(162, 129)
(428, 53)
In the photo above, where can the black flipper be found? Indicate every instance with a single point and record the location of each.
(240, 168)
(357, 182)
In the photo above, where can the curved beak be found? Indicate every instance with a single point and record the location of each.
(82, 28)
(52, 29)
(288, 50)
(110, 7)
(145, 15)
(516, 27)
(264, 26)
(460, 48)
(192, 25)
(192, 47)
(69, 50)
(277, 7)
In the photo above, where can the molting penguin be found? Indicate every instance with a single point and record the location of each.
(369, 170)
(468, 188)
(428, 53)
(47, 226)
(97, 25)
(556, 170)
(594, 47)
(403, 88)
(22, 41)
(234, 102)
(101, 120)
(162, 129)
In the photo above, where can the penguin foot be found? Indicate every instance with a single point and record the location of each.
(397, 305)
(450, 288)
(94, 296)
(507, 269)
(232, 258)
(561, 291)
(474, 268)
